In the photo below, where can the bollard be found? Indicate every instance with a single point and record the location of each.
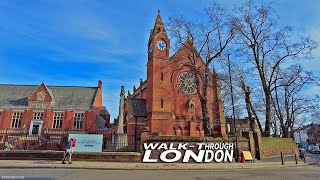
(282, 159)
(295, 157)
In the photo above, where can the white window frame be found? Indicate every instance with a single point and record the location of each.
(38, 115)
(16, 119)
(57, 120)
(78, 118)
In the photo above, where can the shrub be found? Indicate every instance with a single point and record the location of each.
(193, 139)
(274, 146)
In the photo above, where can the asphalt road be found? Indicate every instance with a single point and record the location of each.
(306, 172)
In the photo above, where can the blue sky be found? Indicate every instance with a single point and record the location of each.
(79, 42)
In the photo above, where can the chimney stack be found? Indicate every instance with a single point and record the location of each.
(100, 84)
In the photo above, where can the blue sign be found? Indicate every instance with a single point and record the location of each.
(87, 142)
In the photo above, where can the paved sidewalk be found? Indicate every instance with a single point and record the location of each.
(4, 164)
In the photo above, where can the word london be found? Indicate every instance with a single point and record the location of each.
(199, 152)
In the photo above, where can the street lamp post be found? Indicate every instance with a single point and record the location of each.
(233, 111)
(228, 131)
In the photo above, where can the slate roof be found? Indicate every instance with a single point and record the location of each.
(100, 122)
(65, 97)
(139, 107)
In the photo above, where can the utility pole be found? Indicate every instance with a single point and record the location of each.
(233, 111)
(228, 131)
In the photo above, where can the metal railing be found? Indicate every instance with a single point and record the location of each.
(56, 140)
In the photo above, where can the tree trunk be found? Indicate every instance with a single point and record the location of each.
(275, 128)
(246, 90)
(203, 101)
(256, 116)
(250, 118)
(268, 113)
(285, 132)
(206, 120)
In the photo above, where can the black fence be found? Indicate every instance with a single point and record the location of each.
(56, 140)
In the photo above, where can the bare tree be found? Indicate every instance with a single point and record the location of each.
(267, 46)
(206, 41)
(289, 104)
(252, 114)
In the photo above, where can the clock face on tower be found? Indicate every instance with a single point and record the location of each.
(150, 48)
(161, 45)
(187, 83)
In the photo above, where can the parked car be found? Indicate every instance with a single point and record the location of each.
(303, 146)
(314, 149)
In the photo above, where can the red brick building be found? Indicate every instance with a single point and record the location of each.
(167, 102)
(308, 134)
(32, 108)
(314, 133)
(242, 125)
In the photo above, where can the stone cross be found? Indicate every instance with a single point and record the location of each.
(121, 111)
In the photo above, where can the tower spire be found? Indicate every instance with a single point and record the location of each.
(158, 25)
(159, 22)
(159, 42)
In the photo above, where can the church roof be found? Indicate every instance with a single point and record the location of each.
(139, 107)
(100, 122)
(65, 97)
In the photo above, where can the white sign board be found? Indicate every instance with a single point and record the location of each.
(87, 142)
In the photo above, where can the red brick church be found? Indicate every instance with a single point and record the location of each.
(166, 102)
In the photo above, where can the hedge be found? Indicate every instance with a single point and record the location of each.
(274, 146)
(192, 139)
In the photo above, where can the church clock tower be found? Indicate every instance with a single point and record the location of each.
(159, 92)
(159, 43)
